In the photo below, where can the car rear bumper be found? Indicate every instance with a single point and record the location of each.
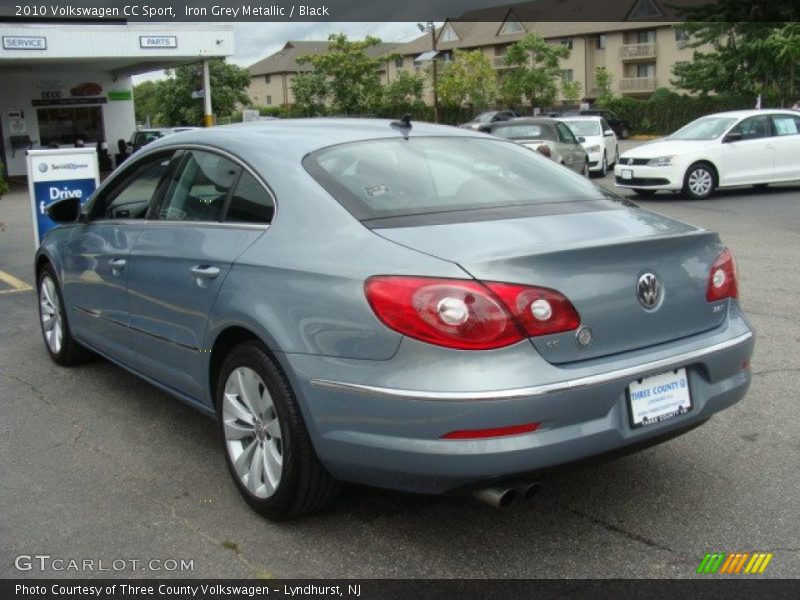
(391, 435)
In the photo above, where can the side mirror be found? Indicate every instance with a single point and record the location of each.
(67, 210)
(733, 136)
(581, 140)
(608, 132)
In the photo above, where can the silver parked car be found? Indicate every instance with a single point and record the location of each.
(549, 137)
(403, 305)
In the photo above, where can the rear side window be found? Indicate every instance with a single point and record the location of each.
(199, 188)
(398, 177)
(521, 132)
(250, 202)
(786, 124)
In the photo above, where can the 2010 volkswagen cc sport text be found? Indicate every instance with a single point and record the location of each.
(398, 304)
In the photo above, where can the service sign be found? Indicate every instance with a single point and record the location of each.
(56, 175)
(24, 42)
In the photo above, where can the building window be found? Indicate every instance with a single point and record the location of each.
(567, 42)
(449, 34)
(266, 78)
(567, 74)
(446, 56)
(511, 26)
(645, 37)
(646, 70)
(269, 100)
(68, 124)
(398, 62)
(601, 41)
(681, 35)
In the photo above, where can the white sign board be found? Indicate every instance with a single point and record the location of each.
(24, 42)
(56, 175)
(158, 41)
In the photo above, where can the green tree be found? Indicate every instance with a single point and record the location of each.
(470, 78)
(351, 74)
(603, 81)
(310, 91)
(747, 58)
(571, 91)
(145, 102)
(228, 89)
(535, 70)
(406, 88)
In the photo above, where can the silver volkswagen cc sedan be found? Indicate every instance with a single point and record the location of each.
(403, 305)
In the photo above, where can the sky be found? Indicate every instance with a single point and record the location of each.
(254, 41)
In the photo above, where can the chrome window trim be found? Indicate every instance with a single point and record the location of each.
(537, 390)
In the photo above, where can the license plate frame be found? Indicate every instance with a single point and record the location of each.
(627, 174)
(658, 398)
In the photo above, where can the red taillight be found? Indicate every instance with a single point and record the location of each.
(722, 279)
(466, 314)
(477, 434)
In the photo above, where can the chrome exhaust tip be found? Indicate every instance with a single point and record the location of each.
(529, 489)
(499, 496)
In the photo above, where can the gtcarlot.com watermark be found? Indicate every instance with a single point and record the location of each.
(48, 563)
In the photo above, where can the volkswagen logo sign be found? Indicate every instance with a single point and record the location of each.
(42, 167)
(648, 291)
(630, 161)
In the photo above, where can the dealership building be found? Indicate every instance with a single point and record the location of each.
(61, 83)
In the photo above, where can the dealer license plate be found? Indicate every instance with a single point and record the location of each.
(627, 174)
(658, 398)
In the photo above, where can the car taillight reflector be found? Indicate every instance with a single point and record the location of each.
(467, 314)
(477, 434)
(722, 278)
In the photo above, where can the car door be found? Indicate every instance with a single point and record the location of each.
(573, 153)
(750, 158)
(787, 146)
(609, 142)
(178, 265)
(96, 258)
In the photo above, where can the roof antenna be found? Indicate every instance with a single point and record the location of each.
(404, 125)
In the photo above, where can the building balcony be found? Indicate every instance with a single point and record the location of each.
(637, 51)
(499, 62)
(637, 85)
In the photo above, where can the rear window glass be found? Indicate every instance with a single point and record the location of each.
(398, 177)
(521, 132)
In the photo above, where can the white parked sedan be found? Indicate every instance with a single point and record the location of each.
(746, 147)
(598, 139)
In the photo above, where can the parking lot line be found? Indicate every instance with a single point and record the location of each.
(16, 284)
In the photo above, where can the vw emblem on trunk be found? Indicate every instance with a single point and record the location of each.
(648, 290)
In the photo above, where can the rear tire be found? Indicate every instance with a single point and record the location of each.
(58, 340)
(700, 181)
(267, 447)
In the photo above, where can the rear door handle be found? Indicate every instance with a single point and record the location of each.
(204, 271)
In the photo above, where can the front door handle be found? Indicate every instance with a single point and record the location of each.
(204, 271)
(117, 264)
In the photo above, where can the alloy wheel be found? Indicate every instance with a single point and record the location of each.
(252, 430)
(50, 314)
(700, 182)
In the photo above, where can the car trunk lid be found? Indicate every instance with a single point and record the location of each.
(595, 258)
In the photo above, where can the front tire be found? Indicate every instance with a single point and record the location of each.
(699, 182)
(267, 446)
(58, 340)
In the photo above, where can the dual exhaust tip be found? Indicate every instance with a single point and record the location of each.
(507, 495)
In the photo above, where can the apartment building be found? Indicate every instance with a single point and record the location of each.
(637, 49)
(271, 78)
(638, 55)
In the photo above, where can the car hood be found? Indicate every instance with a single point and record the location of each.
(664, 147)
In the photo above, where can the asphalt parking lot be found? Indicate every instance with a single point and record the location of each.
(96, 464)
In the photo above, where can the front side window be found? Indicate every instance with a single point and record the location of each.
(754, 128)
(199, 188)
(131, 198)
(393, 178)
